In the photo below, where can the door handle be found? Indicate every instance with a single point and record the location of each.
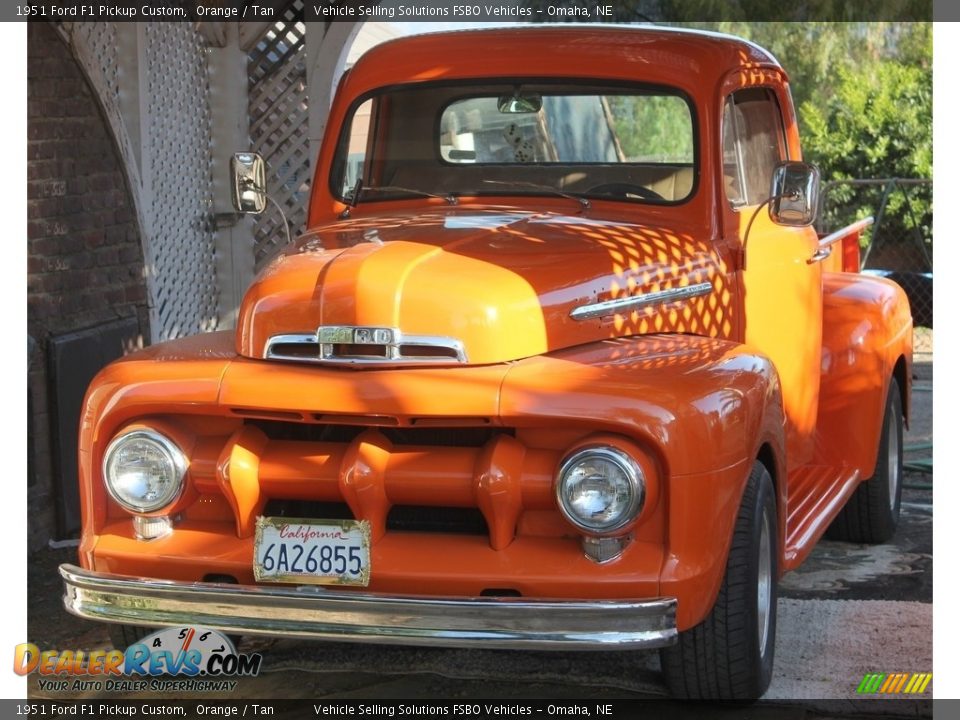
(821, 254)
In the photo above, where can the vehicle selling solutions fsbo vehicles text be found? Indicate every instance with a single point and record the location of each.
(459, 709)
(475, 11)
(335, 10)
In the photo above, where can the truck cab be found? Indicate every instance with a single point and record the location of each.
(559, 363)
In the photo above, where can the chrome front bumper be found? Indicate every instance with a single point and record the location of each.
(312, 612)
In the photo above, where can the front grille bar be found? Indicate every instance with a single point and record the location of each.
(363, 345)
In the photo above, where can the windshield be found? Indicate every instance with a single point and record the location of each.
(627, 143)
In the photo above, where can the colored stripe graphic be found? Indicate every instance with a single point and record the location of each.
(894, 683)
(888, 683)
(901, 679)
(871, 682)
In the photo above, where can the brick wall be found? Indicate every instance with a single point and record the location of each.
(85, 262)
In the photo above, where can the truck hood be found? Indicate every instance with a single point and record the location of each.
(482, 286)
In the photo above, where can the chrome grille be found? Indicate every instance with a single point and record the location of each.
(350, 345)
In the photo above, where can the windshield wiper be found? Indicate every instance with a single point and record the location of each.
(360, 189)
(582, 201)
(450, 198)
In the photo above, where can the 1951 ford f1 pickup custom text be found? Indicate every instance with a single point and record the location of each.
(559, 363)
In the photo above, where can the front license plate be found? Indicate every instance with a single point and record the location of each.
(295, 550)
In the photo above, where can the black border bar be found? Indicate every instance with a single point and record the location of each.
(467, 709)
(521, 11)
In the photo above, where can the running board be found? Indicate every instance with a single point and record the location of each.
(809, 517)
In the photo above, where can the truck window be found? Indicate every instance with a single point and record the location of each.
(753, 143)
(357, 149)
(569, 129)
(629, 143)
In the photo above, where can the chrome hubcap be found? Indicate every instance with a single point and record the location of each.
(893, 461)
(764, 581)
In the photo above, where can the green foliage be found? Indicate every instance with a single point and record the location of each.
(877, 123)
(653, 128)
(874, 119)
(822, 57)
(863, 92)
(864, 99)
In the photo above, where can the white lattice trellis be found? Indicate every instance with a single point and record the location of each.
(167, 156)
(278, 108)
(178, 142)
(101, 39)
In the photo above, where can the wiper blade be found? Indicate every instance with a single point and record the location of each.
(450, 198)
(579, 199)
(352, 198)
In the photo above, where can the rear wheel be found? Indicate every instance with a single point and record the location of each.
(730, 654)
(872, 512)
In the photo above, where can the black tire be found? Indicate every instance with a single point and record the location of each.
(729, 656)
(123, 636)
(872, 512)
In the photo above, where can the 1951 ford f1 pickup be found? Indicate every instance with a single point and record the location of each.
(559, 363)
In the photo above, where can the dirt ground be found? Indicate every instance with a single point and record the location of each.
(853, 590)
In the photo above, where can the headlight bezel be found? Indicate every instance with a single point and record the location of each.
(170, 448)
(634, 473)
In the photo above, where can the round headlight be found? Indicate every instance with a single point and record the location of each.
(144, 470)
(600, 489)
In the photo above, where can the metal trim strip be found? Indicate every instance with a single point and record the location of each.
(609, 307)
(319, 613)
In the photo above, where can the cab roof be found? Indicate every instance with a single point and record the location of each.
(693, 60)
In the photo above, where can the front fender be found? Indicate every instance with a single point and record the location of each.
(704, 406)
(702, 403)
(167, 377)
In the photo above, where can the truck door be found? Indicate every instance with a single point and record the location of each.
(782, 298)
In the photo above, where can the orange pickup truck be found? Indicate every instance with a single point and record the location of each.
(560, 363)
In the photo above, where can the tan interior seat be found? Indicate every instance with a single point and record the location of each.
(675, 185)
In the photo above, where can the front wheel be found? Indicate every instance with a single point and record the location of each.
(123, 636)
(729, 656)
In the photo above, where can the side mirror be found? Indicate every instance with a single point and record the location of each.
(248, 181)
(795, 194)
